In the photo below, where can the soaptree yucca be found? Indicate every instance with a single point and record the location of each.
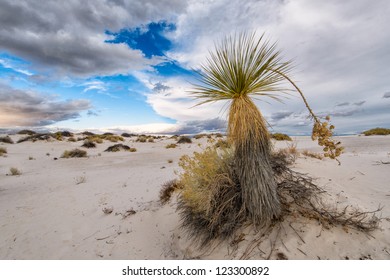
(243, 66)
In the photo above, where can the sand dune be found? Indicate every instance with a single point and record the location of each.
(61, 208)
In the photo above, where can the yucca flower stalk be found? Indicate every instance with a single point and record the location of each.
(243, 66)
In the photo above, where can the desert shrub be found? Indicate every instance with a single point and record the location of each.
(120, 147)
(151, 139)
(377, 131)
(57, 136)
(27, 131)
(184, 139)
(108, 134)
(210, 199)
(36, 137)
(170, 161)
(290, 153)
(3, 151)
(71, 139)
(95, 139)
(312, 155)
(74, 153)
(141, 139)
(218, 135)
(199, 136)
(222, 144)
(171, 146)
(281, 137)
(87, 133)
(113, 138)
(14, 171)
(88, 144)
(167, 189)
(6, 139)
(210, 202)
(127, 135)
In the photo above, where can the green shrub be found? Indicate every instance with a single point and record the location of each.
(74, 153)
(377, 131)
(183, 140)
(170, 146)
(281, 137)
(6, 139)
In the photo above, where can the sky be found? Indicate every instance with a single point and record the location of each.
(117, 65)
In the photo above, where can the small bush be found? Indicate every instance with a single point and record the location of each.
(6, 139)
(87, 133)
(281, 137)
(36, 137)
(108, 134)
(31, 158)
(222, 144)
(74, 153)
(3, 151)
(183, 140)
(170, 146)
(218, 135)
(127, 135)
(151, 139)
(88, 144)
(27, 131)
(71, 139)
(377, 131)
(199, 136)
(14, 171)
(312, 155)
(120, 147)
(95, 139)
(141, 139)
(170, 160)
(113, 138)
(167, 189)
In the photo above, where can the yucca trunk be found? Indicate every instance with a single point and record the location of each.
(249, 135)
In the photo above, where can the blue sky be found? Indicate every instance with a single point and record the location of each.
(127, 65)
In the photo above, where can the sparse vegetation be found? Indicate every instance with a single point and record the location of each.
(200, 136)
(120, 147)
(222, 144)
(141, 139)
(171, 146)
(71, 139)
(312, 154)
(6, 139)
(31, 158)
(2, 151)
(377, 131)
(170, 160)
(167, 190)
(281, 137)
(184, 139)
(80, 180)
(74, 153)
(36, 137)
(88, 144)
(27, 131)
(14, 171)
(127, 135)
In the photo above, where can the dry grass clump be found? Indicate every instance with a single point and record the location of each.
(141, 139)
(71, 139)
(312, 155)
(170, 146)
(2, 151)
(184, 140)
(127, 135)
(6, 139)
(200, 136)
(210, 199)
(377, 131)
(36, 137)
(222, 144)
(88, 144)
(74, 153)
(87, 133)
(120, 147)
(98, 138)
(281, 137)
(14, 171)
(26, 131)
(167, 189)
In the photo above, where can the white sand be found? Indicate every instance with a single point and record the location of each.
(49, 213)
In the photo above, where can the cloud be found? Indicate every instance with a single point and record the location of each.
(360, 103)
(95, 85)
(280, 115)
(342, 104)
(386, 95)
(27, 108)
(69, 37)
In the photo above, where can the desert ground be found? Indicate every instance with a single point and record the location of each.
(106, 206)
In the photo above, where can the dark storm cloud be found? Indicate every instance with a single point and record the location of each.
(386, 95)
(68, 36)
(360, 103)
(342, 104)
(280, 115)
(193, 127)
(26, 108)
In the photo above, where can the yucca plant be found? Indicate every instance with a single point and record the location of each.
(243, 66)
